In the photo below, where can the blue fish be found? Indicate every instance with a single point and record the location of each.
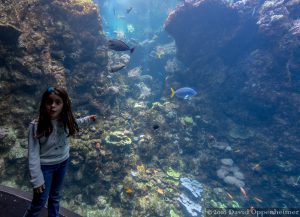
(184, 92)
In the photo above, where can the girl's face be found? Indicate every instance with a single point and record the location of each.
(54, 106)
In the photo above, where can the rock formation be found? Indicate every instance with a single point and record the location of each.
(244, 55)
(46, 43)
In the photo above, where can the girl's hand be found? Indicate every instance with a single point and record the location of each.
(39, 190)
(93, 117)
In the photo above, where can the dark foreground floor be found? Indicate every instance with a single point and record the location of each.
(13, 203)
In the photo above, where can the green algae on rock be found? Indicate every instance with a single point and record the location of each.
(173, 213)
(173, 173)
(187, 120)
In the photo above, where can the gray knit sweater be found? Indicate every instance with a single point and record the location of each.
(50, 150)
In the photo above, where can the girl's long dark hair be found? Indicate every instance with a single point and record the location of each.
(44, 127)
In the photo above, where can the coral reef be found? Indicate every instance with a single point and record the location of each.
(193, 187)
(240, 78)
(136, 159)
(7, 139)
(45, 43)
(247, 74)
(40, 46)
(192, 197)
(46, 46)
(117, 141)
(192, 208)
(230, 173)
(203, 16)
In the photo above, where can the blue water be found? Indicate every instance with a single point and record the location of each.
(272, 186)
(262, 177)
(240, 148)
(146, 17)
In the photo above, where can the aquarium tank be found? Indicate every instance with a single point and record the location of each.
(197, 102)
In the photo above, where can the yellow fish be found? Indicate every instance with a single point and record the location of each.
(141, 168)
(129, 190)
(172, 92)
(160, 191)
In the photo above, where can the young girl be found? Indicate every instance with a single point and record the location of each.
(48, 149)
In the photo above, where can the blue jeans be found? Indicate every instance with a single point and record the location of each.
(53, 176)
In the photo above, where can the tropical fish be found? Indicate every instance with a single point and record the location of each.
(229, 195)
(129, 190)
(116, 68)
(256, 167)
(160, 191)
(296, 183)
(184, 92)
(141, 168)
(258, 199)
(128, 10)
(243, 191)
(119, 45)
